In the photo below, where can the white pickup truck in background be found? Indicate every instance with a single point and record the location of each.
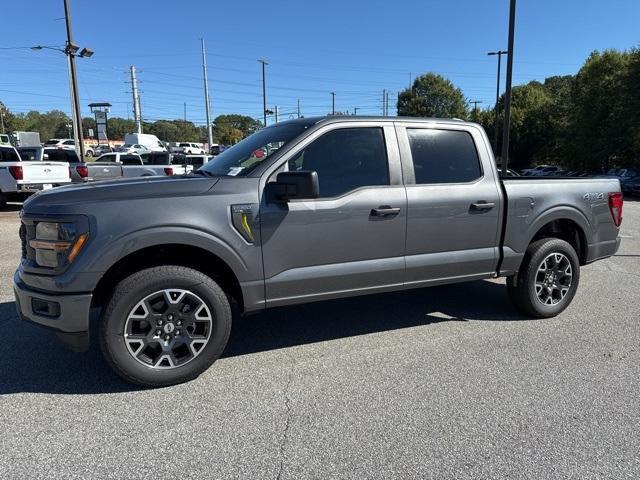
(19, 178)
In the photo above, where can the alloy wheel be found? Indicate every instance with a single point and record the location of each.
(553, 279)
(168, 328)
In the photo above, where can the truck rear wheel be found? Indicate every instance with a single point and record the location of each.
(547, 280)
(165, 325)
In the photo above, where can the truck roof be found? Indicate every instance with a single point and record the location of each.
(308, 121)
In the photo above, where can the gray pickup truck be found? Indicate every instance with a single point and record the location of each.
(305, 210)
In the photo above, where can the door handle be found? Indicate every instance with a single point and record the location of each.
(482, 206)
(384, 211)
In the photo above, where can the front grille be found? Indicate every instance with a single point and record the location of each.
(27, 232)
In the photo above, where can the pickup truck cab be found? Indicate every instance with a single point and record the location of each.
(20, 178)
(332, 207)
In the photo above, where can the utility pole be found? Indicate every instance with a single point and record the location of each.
(185, 112)
(507, 95)
(298, 108)
(384, 101)
(386, 104)
(137, 114)
(355, 110)
(74, 82)
(499, 53)
(475, 108)
(264, 90)
(207, 102)
(2, 118)
(333, 103)
(276, 113)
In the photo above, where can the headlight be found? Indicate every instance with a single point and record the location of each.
(57, 243)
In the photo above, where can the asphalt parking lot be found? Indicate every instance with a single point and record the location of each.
(448, 382)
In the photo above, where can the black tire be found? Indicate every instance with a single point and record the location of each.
(130, 292)
(522, 290)
(3, 201)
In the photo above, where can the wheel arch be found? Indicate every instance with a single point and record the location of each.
(566, 224)
(184, 255)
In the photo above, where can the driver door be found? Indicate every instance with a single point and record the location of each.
(352, 238)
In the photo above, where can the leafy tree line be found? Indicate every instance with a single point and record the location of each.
(590, 120)
(228, 129)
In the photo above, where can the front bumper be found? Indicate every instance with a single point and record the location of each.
(68, 315)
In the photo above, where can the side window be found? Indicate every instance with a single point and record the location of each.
(130, 160)
(108, 158)
(8, 155)
(443, 156)
(346, 159)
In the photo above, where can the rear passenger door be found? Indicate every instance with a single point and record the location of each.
(350, 239)
(453, 208)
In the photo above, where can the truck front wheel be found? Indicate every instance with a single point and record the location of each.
(547, 280)
(165, 325)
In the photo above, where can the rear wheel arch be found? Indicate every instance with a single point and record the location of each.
(564, 229)
(565, 223)
(182, 255)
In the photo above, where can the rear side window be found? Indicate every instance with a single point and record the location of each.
(346, 159)
(61, 155)
(130, 160)
(8, 155)
(443, 156)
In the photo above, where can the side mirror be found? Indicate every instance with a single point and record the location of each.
(45, 156)
(297, 185)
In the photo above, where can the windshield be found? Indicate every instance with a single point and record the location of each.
(245, 156)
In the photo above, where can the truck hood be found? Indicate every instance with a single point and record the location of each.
(118, 190)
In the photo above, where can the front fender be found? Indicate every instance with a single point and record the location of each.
(163, 235)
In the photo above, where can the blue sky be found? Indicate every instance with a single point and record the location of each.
(354, 48)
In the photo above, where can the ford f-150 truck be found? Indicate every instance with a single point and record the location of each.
(331, 207)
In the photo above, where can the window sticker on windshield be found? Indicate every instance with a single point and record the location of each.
(235, 171)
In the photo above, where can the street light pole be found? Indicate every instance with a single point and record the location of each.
(333, 103)
(264, 91)
(499, 53)
(507, 95)
(70, 51)
(207, 101)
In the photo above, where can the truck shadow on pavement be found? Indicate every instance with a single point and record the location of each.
(34, 361)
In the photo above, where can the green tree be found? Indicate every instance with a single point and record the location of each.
(432, 95)
(230, 129)
(601, 109)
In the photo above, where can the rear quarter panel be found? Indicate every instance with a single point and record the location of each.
(533, 202)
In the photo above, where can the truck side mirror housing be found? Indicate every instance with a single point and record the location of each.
(296, 185)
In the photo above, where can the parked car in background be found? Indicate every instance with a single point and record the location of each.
(191, 149)
(135, 148)
(176, 161)
(102, 149)
(4, 139)
(631, 186)
(81, 172)
(532, 171)
(20, 178)
(32, 154)
(152, 142)
(133, 166)
(197, 161)
(69, 144)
